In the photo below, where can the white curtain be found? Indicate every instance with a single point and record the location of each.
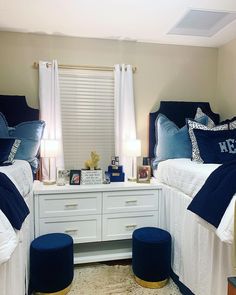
(125, 128)
(50, 111)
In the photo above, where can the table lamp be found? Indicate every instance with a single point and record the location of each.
(49, 150)
(133, 150)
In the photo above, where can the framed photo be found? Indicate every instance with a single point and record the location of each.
(75, 176)
(63, 176)
(143, 174)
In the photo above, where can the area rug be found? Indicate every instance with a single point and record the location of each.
(101, 279)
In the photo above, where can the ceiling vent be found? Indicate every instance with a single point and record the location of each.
(202, 23)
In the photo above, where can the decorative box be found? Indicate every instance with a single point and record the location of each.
(113, 169)
(117, 176)
(91, 176)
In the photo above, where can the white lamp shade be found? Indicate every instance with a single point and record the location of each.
(49, 148)
(133, 148)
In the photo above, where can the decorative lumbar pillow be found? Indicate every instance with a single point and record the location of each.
(8, 149)
(216, 146)
(173, 142)
(30, 133)
(3, 126)
(200, 114)
(196, 125)
(231, 123)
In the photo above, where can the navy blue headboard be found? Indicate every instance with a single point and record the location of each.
(16, 110)
(177, 111)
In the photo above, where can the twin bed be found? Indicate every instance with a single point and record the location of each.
(14, 244)
(202, 256)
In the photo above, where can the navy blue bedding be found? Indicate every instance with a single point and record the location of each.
(215, 195)
(12, 203)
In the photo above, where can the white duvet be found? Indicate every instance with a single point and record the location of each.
(21, 175)
(188, 177)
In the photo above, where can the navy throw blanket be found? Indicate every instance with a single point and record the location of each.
(215, 195)
(12, 203)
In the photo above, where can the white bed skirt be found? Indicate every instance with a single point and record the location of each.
(14, 274)
(199, 258)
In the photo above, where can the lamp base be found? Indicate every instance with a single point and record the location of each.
(49, 182)
(133, 179)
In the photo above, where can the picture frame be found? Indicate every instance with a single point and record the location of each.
(63, 176)
(89, 177)
(75, 177)
(143, 174)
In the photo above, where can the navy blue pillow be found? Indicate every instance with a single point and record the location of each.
(8, 149)
(216, 146)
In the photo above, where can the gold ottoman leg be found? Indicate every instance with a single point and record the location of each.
(61, 292)
(151, 285)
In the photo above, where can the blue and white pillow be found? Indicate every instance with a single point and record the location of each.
(231, 123)
(30, 133)
(216, 146)
(192, 125)
(200, 114)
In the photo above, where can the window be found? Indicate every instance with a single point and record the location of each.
(87, 105)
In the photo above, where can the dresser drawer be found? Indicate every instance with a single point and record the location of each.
(54, 205)
(121, 226)
(83, 229)
(130, 201)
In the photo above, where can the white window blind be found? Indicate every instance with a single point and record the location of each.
(87, 105)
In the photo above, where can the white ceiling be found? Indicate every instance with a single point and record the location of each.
(135, 20)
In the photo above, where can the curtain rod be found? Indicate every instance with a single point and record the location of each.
(82, 67)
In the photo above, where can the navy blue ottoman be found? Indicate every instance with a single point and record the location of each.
(151, 259)
(51, 263)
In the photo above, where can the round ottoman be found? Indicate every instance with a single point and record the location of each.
(151, 259)
(51, 264)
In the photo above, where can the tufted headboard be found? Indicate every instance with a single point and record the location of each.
(177, 111)
(16, 110)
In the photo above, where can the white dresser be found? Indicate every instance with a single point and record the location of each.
(100, 218)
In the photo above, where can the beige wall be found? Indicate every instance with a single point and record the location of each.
(165, 72)
(226, 82)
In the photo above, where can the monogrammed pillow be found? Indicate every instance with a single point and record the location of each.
(216, 146)
(192, 125)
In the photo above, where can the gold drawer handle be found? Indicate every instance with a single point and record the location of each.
(131, 226)
(71, 206)
(131, 201)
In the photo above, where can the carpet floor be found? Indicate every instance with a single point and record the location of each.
(101, 279)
